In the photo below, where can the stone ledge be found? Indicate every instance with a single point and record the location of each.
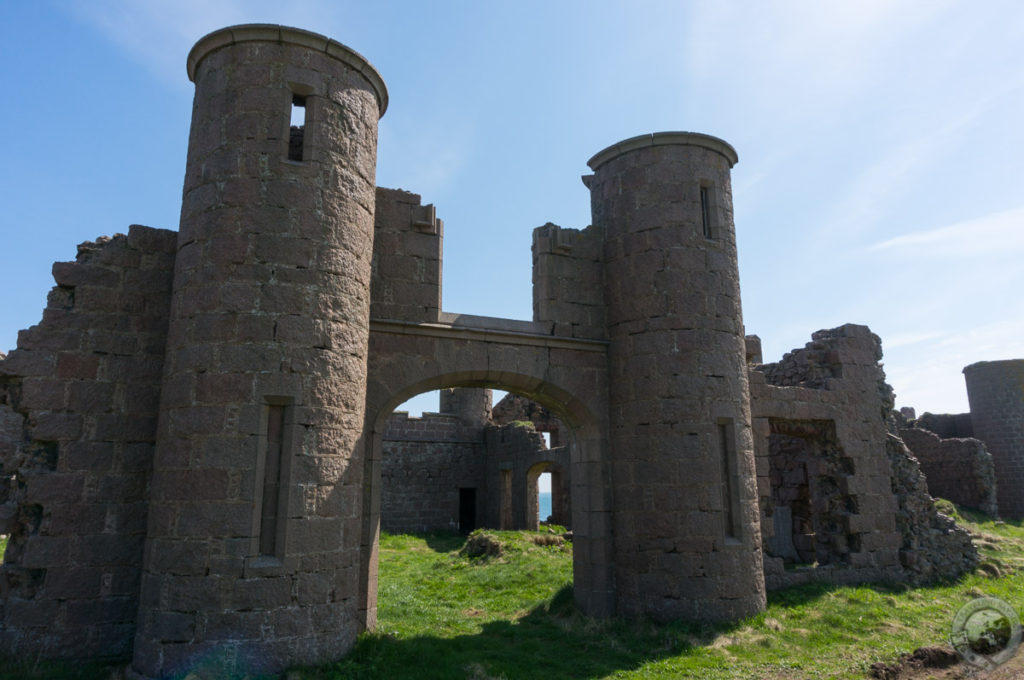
(505, 331)
(233, 35)
(664, 139)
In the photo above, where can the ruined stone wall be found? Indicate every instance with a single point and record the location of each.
(406, 273)
(933, 547)
(947, 425)
(424, 464)
(995, 391)
(960, 470)
(868, 503)
(512, 450)
(568, 274)
(515, 407)
(78, 420)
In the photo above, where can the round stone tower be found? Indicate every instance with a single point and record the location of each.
(686, 537)
(252, 553)
(995, 390)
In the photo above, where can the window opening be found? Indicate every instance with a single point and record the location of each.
(272, 479)
(705, 210)
(544, 497)
(297, 128)
(728, 493)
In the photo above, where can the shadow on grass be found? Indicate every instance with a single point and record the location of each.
(444, 541)
(552, 641)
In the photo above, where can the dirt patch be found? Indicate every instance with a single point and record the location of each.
(942, 663)
(920, 663)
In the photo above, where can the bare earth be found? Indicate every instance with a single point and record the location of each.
(932, 663)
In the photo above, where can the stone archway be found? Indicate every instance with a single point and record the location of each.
(555, 387)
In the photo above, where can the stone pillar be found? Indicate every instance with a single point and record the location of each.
(686, 537)
(995, 390)
(252, 553)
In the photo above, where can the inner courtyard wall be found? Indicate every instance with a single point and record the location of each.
(426, 461)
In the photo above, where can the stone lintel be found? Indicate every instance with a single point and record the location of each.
(502, 331)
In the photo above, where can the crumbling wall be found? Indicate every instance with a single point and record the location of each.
(947, 425)
(933, 548)
(78, 418)
(568, 280)
(425, 462)
(960, 470)
(515, 407)
(406, 267)
(512, 450)
(828, 408)
(813, 510)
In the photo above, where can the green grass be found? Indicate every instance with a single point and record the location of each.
(444, 614)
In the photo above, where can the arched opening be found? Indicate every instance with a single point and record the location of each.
(506, 478)
(554, 489)
(452, 465)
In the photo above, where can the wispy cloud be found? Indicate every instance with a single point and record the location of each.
(998, 233)
(929, 375)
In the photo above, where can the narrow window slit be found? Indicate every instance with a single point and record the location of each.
(297, 128)
(729, 498)
(705, 210)
(270, 516)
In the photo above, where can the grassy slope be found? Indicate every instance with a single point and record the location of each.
(446, 616)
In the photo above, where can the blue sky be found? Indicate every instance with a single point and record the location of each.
(881, 146)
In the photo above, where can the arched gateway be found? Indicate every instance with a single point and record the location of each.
(306, 305)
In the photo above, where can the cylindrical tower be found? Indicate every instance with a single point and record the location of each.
(252, 553)
(686, 537)
(995, 390)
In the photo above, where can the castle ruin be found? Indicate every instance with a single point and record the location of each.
(193, 436)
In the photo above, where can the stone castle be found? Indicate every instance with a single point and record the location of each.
(198, 440)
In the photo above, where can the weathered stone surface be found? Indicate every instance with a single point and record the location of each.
(960, 470)
(995, 390)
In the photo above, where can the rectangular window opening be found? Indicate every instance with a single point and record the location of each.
(297, 128)
(705, 210)
(727, 450)
(270, 516)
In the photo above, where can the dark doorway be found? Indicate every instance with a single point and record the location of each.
(467, 510)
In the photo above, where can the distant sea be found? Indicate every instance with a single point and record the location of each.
(544, 504)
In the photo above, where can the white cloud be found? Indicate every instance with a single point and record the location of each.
(1000, 233)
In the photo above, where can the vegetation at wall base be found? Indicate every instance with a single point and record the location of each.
(506, 612)
(444, 615)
